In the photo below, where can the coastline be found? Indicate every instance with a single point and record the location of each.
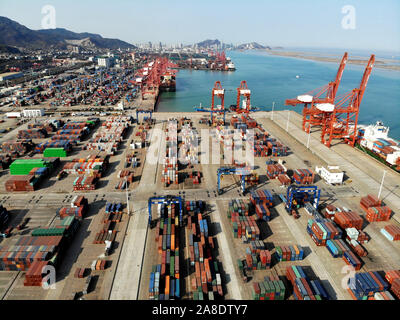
(381, 63)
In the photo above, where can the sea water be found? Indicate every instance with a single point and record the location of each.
(274, 79)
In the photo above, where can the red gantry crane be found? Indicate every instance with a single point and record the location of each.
(312, 114)
(243, 106)
(217, 92)
(341, 122)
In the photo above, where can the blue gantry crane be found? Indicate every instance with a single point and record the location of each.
(242, 172)
(167, 200)
(301, 194)
(218, 111)
(143, 111)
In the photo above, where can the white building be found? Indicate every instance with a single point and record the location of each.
(104, 62)
(13, 114)
(332, 174)
(33, 113)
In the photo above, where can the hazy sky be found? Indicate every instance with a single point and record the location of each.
(308, 23)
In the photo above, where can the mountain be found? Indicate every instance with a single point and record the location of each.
(14, 34)
(209, 43)
(8, 49)
(251, 46)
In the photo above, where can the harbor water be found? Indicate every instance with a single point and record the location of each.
(274, 79)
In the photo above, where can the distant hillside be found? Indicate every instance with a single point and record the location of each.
(8, 49)
(14, 34)
(208, 43)
(252, 46)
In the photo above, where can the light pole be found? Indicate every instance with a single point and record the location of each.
(380, 188)
(272, 114)
(308, 139)
(127, 197)
(287, 123)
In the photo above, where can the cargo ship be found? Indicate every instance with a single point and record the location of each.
(374, 139)
(168, 82)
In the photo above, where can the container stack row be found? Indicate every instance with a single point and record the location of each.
(290, 253)
(391, 232)
(393, 277)
(112, 216)
(303, 287)
(262, 200)
(206, 282)
(369, 286)
(169, 173)
(272, 288)
(303, 176)
(165, 276)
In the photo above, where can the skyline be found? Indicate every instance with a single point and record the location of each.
(308, 23)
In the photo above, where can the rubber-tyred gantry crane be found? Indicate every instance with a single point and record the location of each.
(243, 106)
(342, 121)
(319, 99)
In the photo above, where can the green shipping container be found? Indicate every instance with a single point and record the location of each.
(55, 152)
(24, 166)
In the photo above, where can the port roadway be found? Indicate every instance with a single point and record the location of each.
(365, 172)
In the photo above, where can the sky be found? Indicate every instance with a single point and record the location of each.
(287, 23)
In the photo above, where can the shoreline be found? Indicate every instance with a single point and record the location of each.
(381, 63)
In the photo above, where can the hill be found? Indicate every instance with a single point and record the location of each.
(16, 35)
(252, 46)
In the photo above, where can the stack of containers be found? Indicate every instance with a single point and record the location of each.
(391, 232)
(55, 152)
(348, 220)
(274, 170)
(189, 149)
(284, 179)
(71, 138)
(28, 249)
(279, 150)
(365, 286)
(245, 227)
(393, 277)
(358, 235)
(85, 183)
(289, 253)
(369, 201)
(337, 247)
(329, 211)
(262, 200)
(303, 287)
(78, 208)
(272, 288)
(206, 283)
(32, 134)
(109, 137)
(322, 230)
(165, 276)
(238, 206)
(36, 273)
(358, 249)
(20, 147)
(303, 176)
(113, 214)
(381, 213)
(257, 257)
(63, 144)
(170, 164)
(91, 166)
